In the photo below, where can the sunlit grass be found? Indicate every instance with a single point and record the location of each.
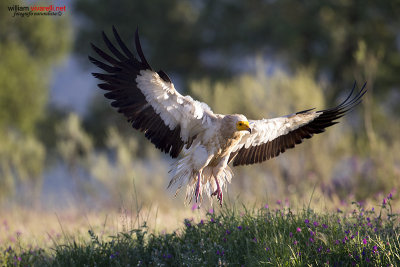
(235, 236)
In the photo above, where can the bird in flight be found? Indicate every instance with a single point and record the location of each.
(179, 125)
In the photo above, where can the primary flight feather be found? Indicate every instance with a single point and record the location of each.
(208, 142)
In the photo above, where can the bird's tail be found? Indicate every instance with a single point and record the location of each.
(183, 174)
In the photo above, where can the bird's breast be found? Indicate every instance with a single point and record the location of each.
(223, 147)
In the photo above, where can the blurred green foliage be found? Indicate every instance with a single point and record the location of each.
(28, 51)
(179, 35)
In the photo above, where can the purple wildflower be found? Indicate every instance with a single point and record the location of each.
(390, 196)
(266, 249)
(211, 211)
(228, 232)
(298, 229)
(311, 239)
(278, 202)
(266, 206)
(307, 221)
(221, 253)
(194, 207)
(113, 255)
(312, 233)
(337, 242)
(384, 202)
(290, 234)
(240, 227)
(365, 241)
(212, 220)
(324, 226)
(255, 240)
(295, 242)
(315, 224)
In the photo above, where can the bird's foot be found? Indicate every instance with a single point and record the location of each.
(197, 194)
(218, 193)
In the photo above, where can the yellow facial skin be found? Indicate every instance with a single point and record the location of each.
(243, 126)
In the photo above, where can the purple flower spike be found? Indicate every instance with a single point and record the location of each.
(384, 202)
(298, 229)
(365, 241)
(390, 196)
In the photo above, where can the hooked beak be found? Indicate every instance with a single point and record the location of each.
(249, 129)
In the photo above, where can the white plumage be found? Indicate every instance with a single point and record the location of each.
(207, 142)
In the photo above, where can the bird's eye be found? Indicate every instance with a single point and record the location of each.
(240, 124)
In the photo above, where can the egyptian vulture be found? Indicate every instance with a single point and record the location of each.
(180, 125)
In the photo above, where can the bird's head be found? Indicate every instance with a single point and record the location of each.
(243, 126)
(235, 123)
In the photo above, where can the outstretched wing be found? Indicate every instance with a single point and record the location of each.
(270, 137)
(148, 98)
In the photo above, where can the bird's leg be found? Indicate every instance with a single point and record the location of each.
(197, 194)
(218, 192)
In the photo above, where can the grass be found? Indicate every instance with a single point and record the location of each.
(236, 237)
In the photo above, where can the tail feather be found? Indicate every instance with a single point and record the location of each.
(183, 173)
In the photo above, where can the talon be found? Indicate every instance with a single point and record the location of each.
(197, 194)
(218, 192)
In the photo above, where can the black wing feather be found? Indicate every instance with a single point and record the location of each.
(273, 148)
(122, 68)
